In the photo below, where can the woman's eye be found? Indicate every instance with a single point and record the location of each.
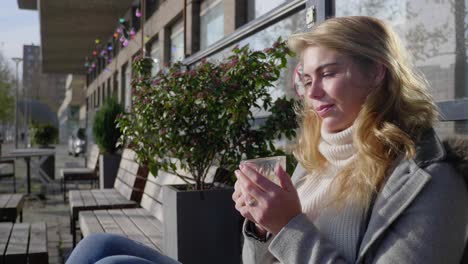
(328, 74)
(307, 83)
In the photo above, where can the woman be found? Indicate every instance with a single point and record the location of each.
(372, 184)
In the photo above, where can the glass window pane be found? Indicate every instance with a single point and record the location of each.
(156, 55)
(177, 42)
(431, 31)
(265, 39)
(128, 90)
(211, 23)
(434, 32)
(257, 8)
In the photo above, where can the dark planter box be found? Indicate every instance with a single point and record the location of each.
(108, 167)
(201, 226)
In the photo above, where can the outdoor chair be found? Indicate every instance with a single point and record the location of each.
(141, 224)
(7, 170)
(127, 191)
(85, 174)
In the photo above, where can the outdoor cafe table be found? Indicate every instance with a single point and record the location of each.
(27, 154)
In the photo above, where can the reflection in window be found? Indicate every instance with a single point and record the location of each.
(128, 89)
(211, 22)
(430, 31)
(123, 81)
(434, 32)
(156, 56)
(257, 8)
(264, 39)
(177, 42)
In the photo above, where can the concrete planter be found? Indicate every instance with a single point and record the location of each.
(201, 226)
(108, 167)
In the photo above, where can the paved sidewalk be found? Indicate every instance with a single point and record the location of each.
(46, 204)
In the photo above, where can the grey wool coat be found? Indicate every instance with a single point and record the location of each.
(419, 216)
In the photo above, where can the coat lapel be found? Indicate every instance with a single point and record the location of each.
(402, 187)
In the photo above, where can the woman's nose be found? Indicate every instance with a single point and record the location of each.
(315, 90)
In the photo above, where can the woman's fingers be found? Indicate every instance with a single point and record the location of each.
(248, 188)
(258, 179)
(284, 178)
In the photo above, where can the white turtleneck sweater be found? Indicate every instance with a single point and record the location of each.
(340, 226)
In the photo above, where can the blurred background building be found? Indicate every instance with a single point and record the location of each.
(42, 92)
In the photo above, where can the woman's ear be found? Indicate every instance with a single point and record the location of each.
(379, 74)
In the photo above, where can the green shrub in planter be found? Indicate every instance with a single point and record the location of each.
(105, 132)
(44, 135)
(203, 114)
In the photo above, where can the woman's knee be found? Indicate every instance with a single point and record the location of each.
(97, 246)
(99, 240)
(120, 259)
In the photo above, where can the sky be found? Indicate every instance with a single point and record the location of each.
(17, 27)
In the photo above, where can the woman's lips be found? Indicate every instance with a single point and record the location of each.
(323, 109)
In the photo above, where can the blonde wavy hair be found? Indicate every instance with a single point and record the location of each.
(391, 120)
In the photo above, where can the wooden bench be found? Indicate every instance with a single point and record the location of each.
(127, 191)
(4, 165)
(88, 174)
(23, 243)
(141, 224)
(11, 206)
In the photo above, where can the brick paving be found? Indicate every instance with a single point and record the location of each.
(46, 203)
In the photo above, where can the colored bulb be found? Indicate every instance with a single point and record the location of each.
(138, 12)
(121, 20)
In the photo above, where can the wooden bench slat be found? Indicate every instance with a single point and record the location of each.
(107, 222)
(15, 201)
(148, 225)
(125, 224)
(116, 199)
(88, 198)
(154, 230)
(38, 244)
(18, 244)
(4, 198)
(5, 232)
(100, 198)
(89, 224)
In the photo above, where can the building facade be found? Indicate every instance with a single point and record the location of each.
(433, 31)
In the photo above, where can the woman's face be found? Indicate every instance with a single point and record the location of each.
(335, 87)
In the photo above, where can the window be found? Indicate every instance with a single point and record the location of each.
(128, 90)
(211, 22)
(151, 6)
(435, 34)
(177, 42)
(257, 8)
(123, 80)
(115, 85)
(264, 39)
(156, 56)
(109, 90)
(103, 90)
(99, 96)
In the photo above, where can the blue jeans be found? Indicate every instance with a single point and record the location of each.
(114, 249)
